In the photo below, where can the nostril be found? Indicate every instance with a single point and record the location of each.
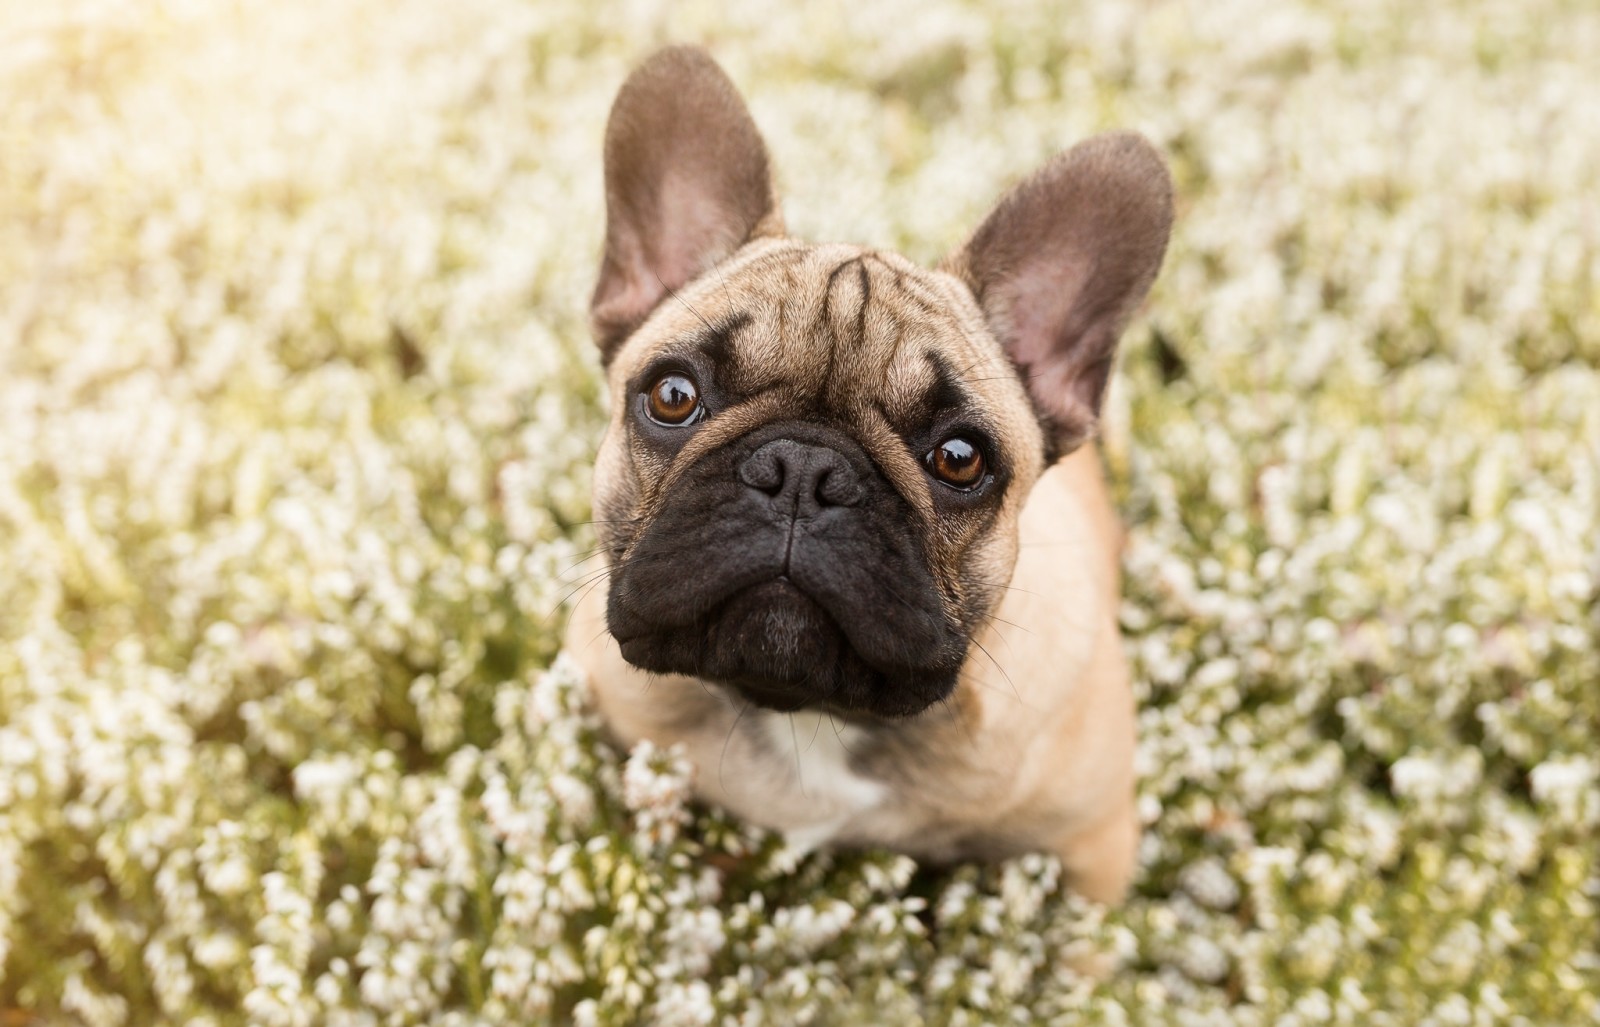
(838, 486)
(764, 472)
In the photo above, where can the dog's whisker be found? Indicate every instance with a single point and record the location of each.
(588, 577)
(985, 650)
(981, 360)
(560, 603)
(674, 294)
(589, 588)
(597, 551)
(734, 727)
(1010, 588)
(995, 618)
(1010, 695)
(839, 736)
(1004, 377)
(799, 771)
(955, 715)
(814, 732)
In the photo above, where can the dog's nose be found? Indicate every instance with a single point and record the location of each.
(802, 479)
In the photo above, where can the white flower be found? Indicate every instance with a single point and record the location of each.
(1209, 882)
(656, 784)
(1568, 784)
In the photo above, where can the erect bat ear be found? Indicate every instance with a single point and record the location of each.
(687, 184)
(1060, 265)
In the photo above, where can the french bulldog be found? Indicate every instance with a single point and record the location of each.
(860, 559)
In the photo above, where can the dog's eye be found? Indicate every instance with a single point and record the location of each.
(673, 400)
(957, 462)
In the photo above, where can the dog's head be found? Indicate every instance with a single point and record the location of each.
(810, 488)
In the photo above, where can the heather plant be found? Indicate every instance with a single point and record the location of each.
(297, 404)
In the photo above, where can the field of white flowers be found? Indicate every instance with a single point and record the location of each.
(296, 405)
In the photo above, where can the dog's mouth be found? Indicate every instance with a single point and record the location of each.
(773, 640)
(776, 647)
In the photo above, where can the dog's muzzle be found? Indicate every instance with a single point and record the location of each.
(785, 566)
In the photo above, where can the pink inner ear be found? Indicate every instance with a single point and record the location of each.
(688, 233)
(695, 232)
(1039, 306)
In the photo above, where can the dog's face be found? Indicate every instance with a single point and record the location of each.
(813, 478)
(810, 489)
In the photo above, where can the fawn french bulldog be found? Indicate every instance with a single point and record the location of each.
(862, 563)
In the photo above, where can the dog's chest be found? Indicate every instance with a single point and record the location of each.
(826, 792)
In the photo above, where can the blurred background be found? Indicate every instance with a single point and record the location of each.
(297, 402)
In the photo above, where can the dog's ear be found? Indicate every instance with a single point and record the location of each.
(687, 184)
(1060, 265)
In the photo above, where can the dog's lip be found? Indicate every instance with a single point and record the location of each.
(783, 585)
(645, 628)
(860, 699)
(780, 699)
(788, 585)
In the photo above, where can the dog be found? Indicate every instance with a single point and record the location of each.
(861, 562)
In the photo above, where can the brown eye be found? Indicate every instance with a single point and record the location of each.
(958, 463)
(673, 400)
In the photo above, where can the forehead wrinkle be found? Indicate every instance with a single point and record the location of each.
(908, 377)
(917, 288)
(973, 364)
(841, 323)
(866, 346)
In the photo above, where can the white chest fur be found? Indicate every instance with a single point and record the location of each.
(830, 793)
